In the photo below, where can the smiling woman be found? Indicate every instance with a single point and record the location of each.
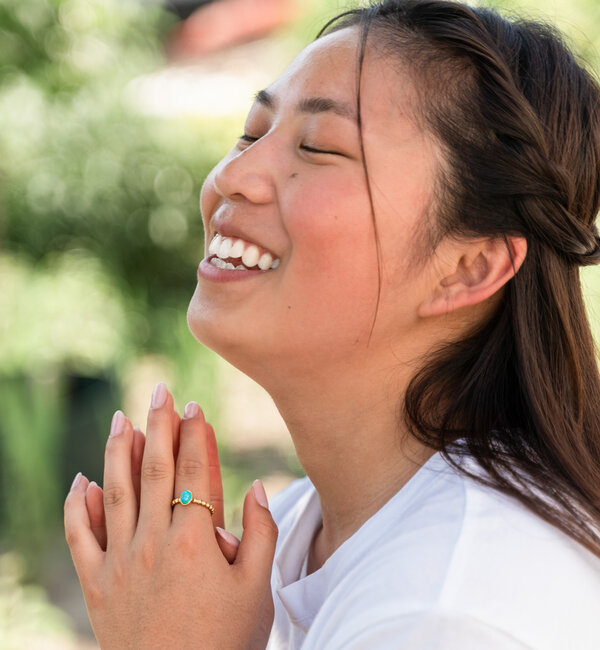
(392, 250)
(295, 186)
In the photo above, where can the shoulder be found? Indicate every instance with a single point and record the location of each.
(422, 630)
(470, 560)
(514, 571)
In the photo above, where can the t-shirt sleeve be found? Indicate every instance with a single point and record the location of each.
(419, 631)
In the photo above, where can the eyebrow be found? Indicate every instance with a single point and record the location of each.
(312, 105)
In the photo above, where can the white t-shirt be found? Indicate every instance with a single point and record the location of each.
(445, 564)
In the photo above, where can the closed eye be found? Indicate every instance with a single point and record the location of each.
(250, 139)
(313, 150)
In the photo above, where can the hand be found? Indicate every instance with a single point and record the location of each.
(162, 580)
(94, 495)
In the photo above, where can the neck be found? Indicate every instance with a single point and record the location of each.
(352, 446)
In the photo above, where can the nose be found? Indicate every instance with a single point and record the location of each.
(245, 175)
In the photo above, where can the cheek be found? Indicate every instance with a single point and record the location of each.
(328, 217)
(333, 261)
(401, 200)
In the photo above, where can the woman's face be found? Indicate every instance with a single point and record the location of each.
(294, 187)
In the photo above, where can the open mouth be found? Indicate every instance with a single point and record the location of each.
(239, 255)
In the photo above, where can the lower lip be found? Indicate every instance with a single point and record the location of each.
(209, 272)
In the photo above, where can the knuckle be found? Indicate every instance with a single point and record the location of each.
(73, 536)
(94, 596)
(119, 571)
(186, 543)
(267, 528)
(155, 470)
(146, 555)
(114, 496)
(190, 468)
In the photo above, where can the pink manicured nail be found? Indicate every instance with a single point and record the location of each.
(159, 396)
(118, 424)
(191, 410)
(228, 537)
(75, 481)
(259, 493)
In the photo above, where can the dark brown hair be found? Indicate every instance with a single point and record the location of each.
(518, 120)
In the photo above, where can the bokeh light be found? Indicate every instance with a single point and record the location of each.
(104, 144)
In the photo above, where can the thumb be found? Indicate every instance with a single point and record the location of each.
(228, 543)
(257, 548)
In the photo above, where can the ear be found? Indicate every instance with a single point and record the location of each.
(479, 269)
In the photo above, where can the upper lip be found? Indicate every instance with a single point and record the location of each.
(232, 230)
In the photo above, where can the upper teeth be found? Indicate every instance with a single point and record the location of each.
(237, 249)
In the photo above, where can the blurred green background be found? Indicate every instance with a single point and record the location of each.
(104, 145)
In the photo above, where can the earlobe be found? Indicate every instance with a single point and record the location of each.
(482, 267)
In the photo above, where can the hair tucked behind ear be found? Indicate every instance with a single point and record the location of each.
(518, 120)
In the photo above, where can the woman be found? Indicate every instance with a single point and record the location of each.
(393, 251)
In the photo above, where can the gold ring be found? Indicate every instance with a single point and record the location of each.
(186, 497)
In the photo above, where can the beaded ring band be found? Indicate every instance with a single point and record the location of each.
(186, 497)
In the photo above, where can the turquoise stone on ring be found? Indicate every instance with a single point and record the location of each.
(185, 498)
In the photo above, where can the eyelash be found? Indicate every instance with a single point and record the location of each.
(250, 139)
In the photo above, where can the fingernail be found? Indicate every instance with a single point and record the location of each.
(191, 410)
(259, 493)
(75, 481)
(159, 396)
(228, 537)
(118, 424)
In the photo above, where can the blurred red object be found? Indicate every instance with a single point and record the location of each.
(223, 23)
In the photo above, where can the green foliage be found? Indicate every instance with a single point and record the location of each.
(578, 20)
(81, 169)
(62, 311)
(27, 619)
(31, 434)
(100, 236)
(64, 45)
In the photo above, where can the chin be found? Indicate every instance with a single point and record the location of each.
(208, 329)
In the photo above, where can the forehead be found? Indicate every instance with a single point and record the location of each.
(329, 68)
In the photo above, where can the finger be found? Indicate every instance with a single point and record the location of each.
(94, 501)
(158, 465)
(216, 482)
(257, 548)
(137, 453)
(228, 544)
(192, 469)
(176, 424)
(120, 507)
(85, 550)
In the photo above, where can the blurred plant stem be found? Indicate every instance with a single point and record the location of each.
(31, 439)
